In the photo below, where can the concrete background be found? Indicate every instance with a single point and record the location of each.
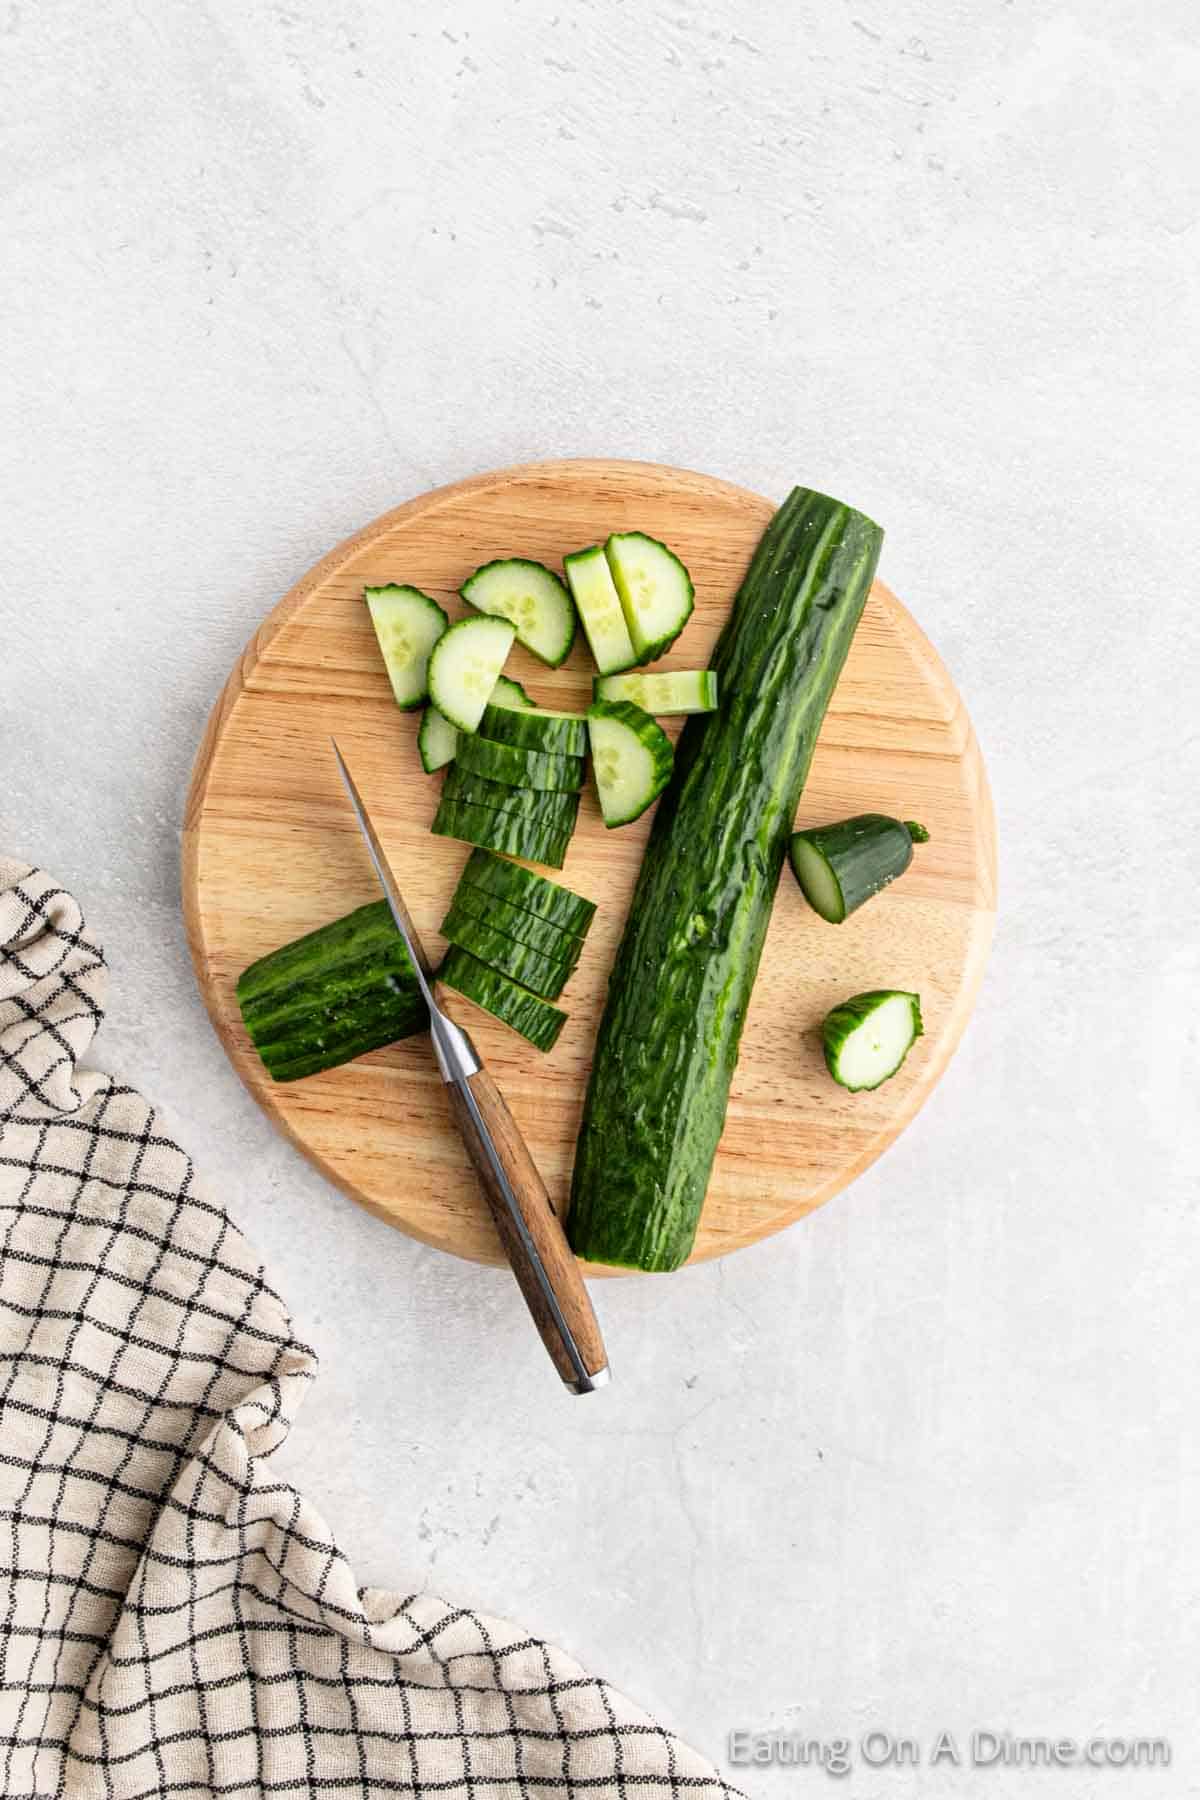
(930, 1459)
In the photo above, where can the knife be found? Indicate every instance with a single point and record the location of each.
(530, 1229)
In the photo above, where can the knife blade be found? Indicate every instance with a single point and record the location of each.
(529, 1228)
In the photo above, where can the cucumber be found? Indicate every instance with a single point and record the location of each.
(437, 739)
(532, 599)
(533, 893)
(513, 1005)
(506, 832)
(464, 667)
(684, 972)
(632, 759)
(600, 611)
(554, 733)
(548, 940)
(559, 811)
(518, 768)
(540, 974)
(867, 1037)
(679, 691)
(407, 626)
(655, 590)
(840, 867)
(331, 995)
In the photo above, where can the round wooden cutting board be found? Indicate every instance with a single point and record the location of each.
(271, 850)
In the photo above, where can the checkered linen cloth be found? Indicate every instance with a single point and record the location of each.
(174, 1619)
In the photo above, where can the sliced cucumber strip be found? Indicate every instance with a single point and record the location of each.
(679, 691)
(656, 591)
(867, 1037)
(531, 598)
(840, 867)
(407, 625)
(600, 611)
(513, 1005)
(555, 733)
(632, 759)
(550, 941)
(464, 668)
(521, 768)
(558, 812)
(533, 893)
(437, 738)
(540, 974)
(506, 832)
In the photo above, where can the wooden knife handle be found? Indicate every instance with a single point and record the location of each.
(543, 1226)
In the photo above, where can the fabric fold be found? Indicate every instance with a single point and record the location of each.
(174, 1618)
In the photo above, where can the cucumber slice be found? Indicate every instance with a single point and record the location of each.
(407, 625)
(679, 691)
(558, 811)
(531, 598)
(513, 1005)
(632, 759)
(464, 667)
(600, 609)
(521, 768)
(550, 941)
(655, 589)
(555, 733)
(540, 974)
(437, 738)
(506, 832)
(533, 893)
(867, 1037)
(840, 867)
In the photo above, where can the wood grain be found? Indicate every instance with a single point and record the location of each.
(271, 850)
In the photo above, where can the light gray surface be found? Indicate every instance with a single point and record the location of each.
(929, 1459)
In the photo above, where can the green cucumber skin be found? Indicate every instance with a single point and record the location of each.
(864, 854)
(518, 768)
(555, 812)
(845, 1018)
(685, 969)
(548, 940)
(505, 832)
(331, 995)
(563, 734)
(536, 1020)
(520, 962)
(533, 893)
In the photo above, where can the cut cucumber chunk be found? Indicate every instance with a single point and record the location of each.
(867, 1037)
(407, 625)
(464, 667)
(655, 589)
(556, 811)
(506, 832)
(540, 974)
(533, 893)
(632, 759)
(334, 994)
(513, 1005)
(600, 609)
(521, 768)
(550, 941)
(840, 867)
(437, 738)
(680, 691)
(531, 598)
(555, 733)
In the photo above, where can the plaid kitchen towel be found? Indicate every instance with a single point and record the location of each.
(175, 1619)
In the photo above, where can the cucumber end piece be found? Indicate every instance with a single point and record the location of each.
(868, 1037)
(916, 832)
